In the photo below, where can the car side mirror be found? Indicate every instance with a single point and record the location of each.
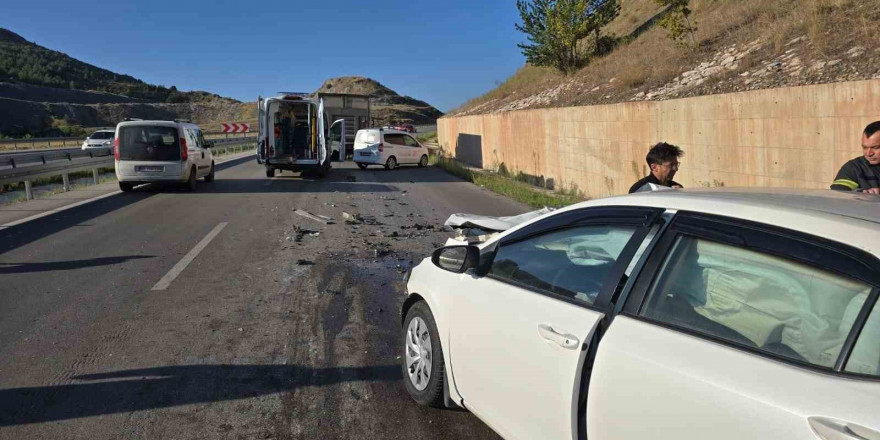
(456, 259)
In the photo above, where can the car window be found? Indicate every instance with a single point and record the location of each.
(410, 142)
(777, 305)
(571, 263)
(865, 357)
(101, 135)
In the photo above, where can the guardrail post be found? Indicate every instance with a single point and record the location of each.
(95, 176)
(66, 178)
(28, 190)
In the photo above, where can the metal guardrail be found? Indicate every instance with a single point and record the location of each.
(29, 144)
(26, 167)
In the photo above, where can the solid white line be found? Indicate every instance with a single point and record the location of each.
(74, 205)
(188, 258)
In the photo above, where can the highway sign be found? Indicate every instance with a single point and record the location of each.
(234, 127)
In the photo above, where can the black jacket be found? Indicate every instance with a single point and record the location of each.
(857, 173)
(650, 179)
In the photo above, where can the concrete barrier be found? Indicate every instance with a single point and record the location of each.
(788, 137)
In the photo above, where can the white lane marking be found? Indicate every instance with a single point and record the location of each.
(74, 205)
(188, 258)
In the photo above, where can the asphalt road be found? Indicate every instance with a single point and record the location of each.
(261, 336)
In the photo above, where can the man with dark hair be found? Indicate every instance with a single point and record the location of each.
(663, 160)
(863, 172)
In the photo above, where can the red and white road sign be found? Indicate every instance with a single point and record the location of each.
(234, 127)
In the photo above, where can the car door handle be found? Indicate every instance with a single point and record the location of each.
(831, 429)
(562, 339)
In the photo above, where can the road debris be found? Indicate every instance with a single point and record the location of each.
(318, 218)
(299, 233)
(352, 219)
(302, 262)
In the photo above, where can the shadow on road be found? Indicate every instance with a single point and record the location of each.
(20, 235)
(161, 387)
(6, 268)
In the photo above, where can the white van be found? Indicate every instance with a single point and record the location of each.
(294, 134)
(161, 151)
(389, 148)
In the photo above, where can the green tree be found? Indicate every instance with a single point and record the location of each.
(677, 21)
(554, 28)
(602, 12)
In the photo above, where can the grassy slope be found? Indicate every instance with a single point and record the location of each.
(651, 59)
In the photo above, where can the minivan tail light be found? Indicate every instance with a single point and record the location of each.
(184, 153)
(381, 147)
(116, 148)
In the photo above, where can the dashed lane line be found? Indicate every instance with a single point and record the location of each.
(188, 258)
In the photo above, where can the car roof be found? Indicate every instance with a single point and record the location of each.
(847, 217)
(157, 122)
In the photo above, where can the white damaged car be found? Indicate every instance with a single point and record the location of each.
(696, 314)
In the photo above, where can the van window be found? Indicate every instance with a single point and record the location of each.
(149, 143)
(394, 138)
(366, 137)
(410, 142)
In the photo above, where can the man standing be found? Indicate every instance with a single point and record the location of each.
(862, 172)
(663, 161)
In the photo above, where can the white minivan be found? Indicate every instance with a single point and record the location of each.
(161, 151)
(380, 146)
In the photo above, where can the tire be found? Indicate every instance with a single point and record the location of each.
(191, 182)
(126, 186)
(362, 166)
(422, 357)
(270, 172)
(391, 163)
(259, 161)
(210, 177)
(322, 172)
(423, 162)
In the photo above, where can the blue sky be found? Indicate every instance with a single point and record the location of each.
(440, 51)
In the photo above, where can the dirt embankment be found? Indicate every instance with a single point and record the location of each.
(386, 105)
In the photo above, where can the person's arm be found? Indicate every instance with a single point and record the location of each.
(847, 179)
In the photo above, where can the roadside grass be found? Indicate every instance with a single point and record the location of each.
(508, 186)
(427, 137)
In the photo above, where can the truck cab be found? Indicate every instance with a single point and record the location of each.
(294, 134)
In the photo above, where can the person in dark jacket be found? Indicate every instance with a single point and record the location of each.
(863, 172)
(663, 160)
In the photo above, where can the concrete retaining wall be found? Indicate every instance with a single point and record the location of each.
(789, 137)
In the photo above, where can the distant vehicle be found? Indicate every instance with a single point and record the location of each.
(683, 314)
(294, 135)
(161, 151)
(409, 128)
(389, 148)
(99, 139)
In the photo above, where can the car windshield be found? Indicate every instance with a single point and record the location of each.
(102, 135)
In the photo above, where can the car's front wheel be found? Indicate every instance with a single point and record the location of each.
(422, 357)
(423, 162)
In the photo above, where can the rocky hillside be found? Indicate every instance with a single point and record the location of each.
(47, 93)
(386, 106)
(741, 45)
